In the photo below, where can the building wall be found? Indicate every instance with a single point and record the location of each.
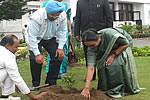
(146, 16)
(11, 27)
(73, 4)
(135, 1)
(139, 7)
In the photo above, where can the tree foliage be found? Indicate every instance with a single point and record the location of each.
(12, 9)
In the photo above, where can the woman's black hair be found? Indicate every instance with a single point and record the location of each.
(90, 35)
(8, 39)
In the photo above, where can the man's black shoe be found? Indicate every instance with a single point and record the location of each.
(3, 96)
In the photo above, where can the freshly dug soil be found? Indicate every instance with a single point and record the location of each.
(57, 93)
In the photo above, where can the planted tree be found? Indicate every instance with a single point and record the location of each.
(68, 79)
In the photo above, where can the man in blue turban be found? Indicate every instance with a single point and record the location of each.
(48, 28)
(64, 65)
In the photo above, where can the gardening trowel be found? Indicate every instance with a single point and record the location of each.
(41, 86)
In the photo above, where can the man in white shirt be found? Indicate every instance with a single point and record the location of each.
(9, 74)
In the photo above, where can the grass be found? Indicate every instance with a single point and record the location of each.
(143, 68)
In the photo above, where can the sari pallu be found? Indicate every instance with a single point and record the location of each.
(120, 77)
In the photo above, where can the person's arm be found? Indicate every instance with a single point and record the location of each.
(69, 27)
(36, 97)
(33, 33)
(119, 50)
(12, 69)
(123, 44)
(61, 34)
(89, 75)
(108, 14)
(90, 71)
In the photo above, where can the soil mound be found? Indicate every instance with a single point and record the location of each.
(57, 93)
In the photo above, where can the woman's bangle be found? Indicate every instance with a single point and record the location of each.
(87, 88)
(88, 81)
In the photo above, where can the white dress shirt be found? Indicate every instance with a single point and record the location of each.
(8, 64)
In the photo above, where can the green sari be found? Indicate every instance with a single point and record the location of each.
(120, 77)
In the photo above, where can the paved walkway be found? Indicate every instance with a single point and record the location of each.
(141, 42)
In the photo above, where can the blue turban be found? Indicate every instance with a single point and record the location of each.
(54, 7)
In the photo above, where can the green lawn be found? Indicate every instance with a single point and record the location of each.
(143, 70)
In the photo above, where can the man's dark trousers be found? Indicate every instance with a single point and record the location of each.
(51, 46)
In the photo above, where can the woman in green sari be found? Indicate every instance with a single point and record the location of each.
(110, 51)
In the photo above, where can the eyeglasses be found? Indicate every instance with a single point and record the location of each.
(53, 15)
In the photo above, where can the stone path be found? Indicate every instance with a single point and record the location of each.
(141, 42)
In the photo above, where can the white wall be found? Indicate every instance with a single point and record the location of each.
(136, 1)
(73, 8)
(12, 27)
(139, 7)
(147, 14)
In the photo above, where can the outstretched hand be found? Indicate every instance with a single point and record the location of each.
(109, 60)
(40, 95)
(86, 92)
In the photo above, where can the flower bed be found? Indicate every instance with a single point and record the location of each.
(21, 53)
(139, 35)
(137, 31)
